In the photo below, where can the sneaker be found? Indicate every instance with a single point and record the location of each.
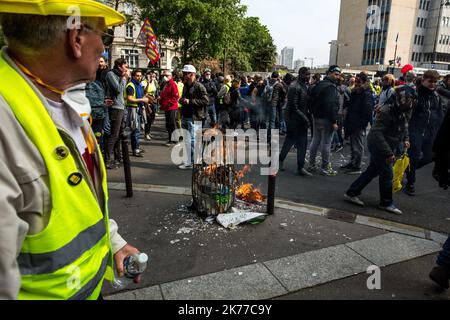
(169, 144)
(391, 209)
(304, 173)
(347, 166)
(441, 276)
(141, 151)
(328, 171)
(313, 168)
(148, 137)
(111, 165)
(138, 154)
(353, 171)
(354, 200)
(185, 167)
(410, 190)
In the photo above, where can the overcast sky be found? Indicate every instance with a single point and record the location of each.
(305, 25)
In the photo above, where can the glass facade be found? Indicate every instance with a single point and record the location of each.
(378, 14)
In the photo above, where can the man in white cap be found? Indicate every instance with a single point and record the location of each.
(56, 240)
(194, 102)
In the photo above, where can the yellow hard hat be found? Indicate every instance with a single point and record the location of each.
(88, 8)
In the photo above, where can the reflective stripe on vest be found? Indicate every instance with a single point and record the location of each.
(71, 257)
(131, 104)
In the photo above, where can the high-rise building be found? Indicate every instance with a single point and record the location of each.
(287, 57)
(382, 32)
(298, 64)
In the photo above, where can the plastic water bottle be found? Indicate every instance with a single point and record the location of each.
(133, 266)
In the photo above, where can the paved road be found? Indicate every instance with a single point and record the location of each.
(430, 209)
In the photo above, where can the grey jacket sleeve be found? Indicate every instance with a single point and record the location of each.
(12, 232)
(115, 84)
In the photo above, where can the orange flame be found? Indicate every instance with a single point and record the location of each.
(210, 170)
(241, 174)
(248, 193)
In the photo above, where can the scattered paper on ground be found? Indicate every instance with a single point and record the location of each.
(231, 220)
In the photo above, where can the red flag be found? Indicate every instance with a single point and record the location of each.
(147, 37)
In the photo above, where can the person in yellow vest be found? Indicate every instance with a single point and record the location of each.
(180, 84)
(56, 238)
(151, 91)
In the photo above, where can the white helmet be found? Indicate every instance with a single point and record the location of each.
(189, 69)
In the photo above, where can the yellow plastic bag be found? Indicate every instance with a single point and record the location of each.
(400, 167)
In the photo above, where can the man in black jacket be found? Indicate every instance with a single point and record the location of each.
(325, 106)
(359, 116)
(297, 121)
(212, 90)
(441, 153)
(194, 102)
(426, 120)
(389, 130)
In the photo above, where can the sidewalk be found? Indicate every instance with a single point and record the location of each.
(299, 253)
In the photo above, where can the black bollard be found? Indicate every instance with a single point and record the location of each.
(127, 168)
(271, 194)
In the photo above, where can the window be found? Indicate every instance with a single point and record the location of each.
(423, 40)
(132, 57)
(129, 31)
(428, 5)
(418, 22)
(414, 56)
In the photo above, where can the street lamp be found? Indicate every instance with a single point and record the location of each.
(446, 3)
(338, 45)
(312, 62)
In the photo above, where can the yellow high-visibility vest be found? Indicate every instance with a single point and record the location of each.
(72, 256)
(128, 103)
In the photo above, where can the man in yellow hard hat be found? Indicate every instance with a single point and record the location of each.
(56, 240)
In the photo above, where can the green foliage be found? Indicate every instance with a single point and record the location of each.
(204, 29)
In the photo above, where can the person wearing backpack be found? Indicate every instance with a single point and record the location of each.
(224, 102)
(325, 106)
(274, 97)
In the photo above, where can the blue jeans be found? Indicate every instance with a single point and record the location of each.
(212, 115)
(189, 125)
(323, 133)
(135, 133)
(271, 116)
(444, 255)
(378, 167)
(420, 153)
(299, 138)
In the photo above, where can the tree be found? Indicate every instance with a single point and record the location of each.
(201, 28)
(258, 43)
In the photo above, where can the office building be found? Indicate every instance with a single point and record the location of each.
(379, 33)
(298, 64)
(287, 57)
